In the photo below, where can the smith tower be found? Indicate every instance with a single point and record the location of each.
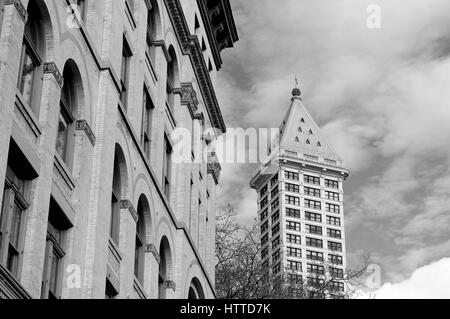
(300, 204)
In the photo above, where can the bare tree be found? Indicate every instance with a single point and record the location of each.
(241, 275)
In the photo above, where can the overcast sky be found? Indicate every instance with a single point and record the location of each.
(381, 97)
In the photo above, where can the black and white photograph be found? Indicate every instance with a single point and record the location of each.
(241, 152)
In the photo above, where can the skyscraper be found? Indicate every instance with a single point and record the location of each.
(300, 204)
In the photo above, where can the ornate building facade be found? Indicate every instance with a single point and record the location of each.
(300, 201)
(92, 203)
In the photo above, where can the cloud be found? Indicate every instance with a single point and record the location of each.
(381, 98)
(428, 282)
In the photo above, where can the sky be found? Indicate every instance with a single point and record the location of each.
(382, 100)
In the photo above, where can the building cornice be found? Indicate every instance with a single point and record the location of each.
(190, 46)
(220, 27)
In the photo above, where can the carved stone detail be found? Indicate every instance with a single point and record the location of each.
(83, 125)
(170, 284)
(50, 67)
(150, 248)
(126, 204)
(20, 8)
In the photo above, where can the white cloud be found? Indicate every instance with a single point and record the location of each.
(428, 282)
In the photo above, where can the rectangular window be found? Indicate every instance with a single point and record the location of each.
(337, 273)
(294, 265)
(276, 269)
(167, 165)
(314, 242)
(334, 233)
(265, 240)
(292, 176)
(293, 200)
(264, 203)
(263, 191)
(275, 256)
(264, 227)
(54, 253)
(275, 217)
(276, 242)
(314, 255)
(313, 217)
(124, 73)
(274, 180)
(12, 223)
(275, 204)
(275, 230)
(331, 184)
(312, 204)
(315, 230)
(294, 213)
(333, 246)
(331, 208)
(294, 252)
(264, 253)
(335, 259)
(315, 282)
(335, 221)
(274, 193)
(264, 215)
(312, 191)
(332, 195)
(336, 286)
(293, 226)
(311, 180)
(147, 118)
(294, 239)
(316, 269)
(292, 188)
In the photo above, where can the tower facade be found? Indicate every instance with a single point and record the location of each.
(300, 206)
(92, 202)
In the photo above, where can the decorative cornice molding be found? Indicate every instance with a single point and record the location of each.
(126, 204)
(150, 248)
(20, 8)
(83, 125)
(191, 47)
(50, 67)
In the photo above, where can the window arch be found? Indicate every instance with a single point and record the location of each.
(69, 107)
(33, 56)
(164, 267)
(196, 290)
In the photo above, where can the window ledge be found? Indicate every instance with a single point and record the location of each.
(28, 114)
(64, 171)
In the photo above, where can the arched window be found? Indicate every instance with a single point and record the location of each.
(140, 240)
(32, 57)
(68, 108)
(164, 267)
(171, 78)
(151, 31)
(116, 195)
(195, 290)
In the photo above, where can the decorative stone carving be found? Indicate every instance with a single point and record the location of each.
(170, 284)
(150, 248)
(214, 167)
(126, 204)
(20, 8)
(50, 67)
(83, 125)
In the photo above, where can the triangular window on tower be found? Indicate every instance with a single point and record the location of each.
(297, 139)
(310, 132)
(318, 144)
(300, 129)
(302, 120)
(308, 142)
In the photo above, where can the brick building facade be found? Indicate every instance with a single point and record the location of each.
(93, 204)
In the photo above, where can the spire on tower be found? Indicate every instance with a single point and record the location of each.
(296, 93)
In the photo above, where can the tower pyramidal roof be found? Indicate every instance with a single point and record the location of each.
(300, 134)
